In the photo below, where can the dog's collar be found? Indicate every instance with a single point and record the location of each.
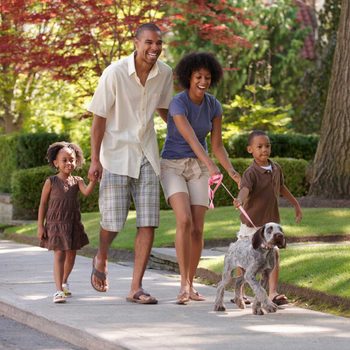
(266, 246)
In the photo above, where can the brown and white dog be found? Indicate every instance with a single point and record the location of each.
(253, 256)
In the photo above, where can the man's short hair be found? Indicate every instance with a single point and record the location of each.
(146, 26)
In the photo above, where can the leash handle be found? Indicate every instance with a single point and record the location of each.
(213, 180)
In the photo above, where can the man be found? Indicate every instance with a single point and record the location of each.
(124, 151)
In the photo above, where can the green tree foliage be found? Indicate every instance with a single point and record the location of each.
(259, 46)
(255, 109)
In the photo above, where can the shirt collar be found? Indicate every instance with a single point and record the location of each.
(262, 170)
(132, 70)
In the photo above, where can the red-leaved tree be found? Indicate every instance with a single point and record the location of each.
(68, 39)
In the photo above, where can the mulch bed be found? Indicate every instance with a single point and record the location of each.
(316, 202)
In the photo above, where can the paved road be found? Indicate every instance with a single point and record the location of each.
(17, 336)
(95, 320)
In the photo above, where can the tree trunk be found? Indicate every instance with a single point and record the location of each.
(331, 166)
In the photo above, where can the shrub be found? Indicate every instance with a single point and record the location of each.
(283, 145)
(7, 160)
(22, 151)
(294, 171)
(31, 148)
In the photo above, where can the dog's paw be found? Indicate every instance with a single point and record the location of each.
(257, 311)
(270, 307)
(219, 308)
(240, 302)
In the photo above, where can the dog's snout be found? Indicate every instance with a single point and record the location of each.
(279, 240)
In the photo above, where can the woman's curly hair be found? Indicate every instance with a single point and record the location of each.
(194, 62)
(53, 150)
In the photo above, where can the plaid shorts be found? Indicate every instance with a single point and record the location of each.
(115, 198)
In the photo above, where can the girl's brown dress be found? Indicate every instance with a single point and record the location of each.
(63, 220)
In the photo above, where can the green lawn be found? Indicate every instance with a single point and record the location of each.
(221, 223)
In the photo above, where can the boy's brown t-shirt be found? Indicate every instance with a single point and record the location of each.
(264, 192)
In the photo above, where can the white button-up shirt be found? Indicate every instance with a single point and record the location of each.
(128, 107)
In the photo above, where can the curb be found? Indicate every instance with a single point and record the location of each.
(69, 334)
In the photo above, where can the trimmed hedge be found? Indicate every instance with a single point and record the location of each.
(7, 161)
(23, 151)
(32, 148)
(283, 145)
(27, 185)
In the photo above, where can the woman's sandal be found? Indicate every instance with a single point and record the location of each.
(194, 295)
(183, 298)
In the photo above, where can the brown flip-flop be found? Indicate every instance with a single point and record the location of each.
(142, 297)
(280, 299)
(100, 275)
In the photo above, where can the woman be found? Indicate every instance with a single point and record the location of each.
(185, 164)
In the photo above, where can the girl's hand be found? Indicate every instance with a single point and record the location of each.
(41, 232)
(95, 171)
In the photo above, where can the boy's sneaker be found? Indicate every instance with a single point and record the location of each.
(66, 291)
(59, 297)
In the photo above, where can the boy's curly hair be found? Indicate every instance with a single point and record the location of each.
(194, 62)
(53, 150)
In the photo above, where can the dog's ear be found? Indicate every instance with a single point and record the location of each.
(258, 238)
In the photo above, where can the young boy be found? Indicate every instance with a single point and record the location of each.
(261, 186)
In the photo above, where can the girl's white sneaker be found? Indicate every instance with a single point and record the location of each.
(59, 297)
(66, 291)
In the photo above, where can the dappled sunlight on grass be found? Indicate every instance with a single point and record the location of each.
(28, 229)
(316, 221)
(322, 267)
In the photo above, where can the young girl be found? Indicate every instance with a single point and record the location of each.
(59, 225)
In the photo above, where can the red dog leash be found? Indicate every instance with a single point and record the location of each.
(217, 181)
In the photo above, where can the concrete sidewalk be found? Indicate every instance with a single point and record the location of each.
(106, 321)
